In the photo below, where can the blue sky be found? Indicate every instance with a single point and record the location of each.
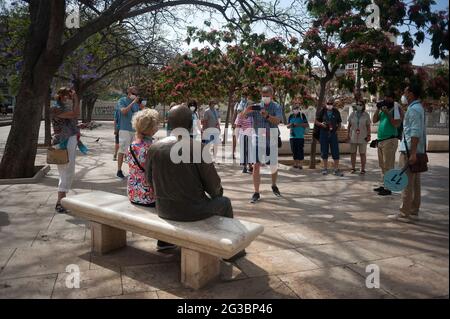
(423, 51)
(421, 57)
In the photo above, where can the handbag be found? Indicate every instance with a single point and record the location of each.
(374, 144)
(57, 156)
(421, 164)
(280, 143)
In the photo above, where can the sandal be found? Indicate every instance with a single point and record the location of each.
(353, 171)
(60, 209)
(362, 172)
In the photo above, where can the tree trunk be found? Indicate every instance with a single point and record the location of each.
(48, 129)
(21, 146)
(283, 108)
(164, 115)
(83, 111)
(42, 57)
(323, 86)
(227, 118)
(358, 80)
(90, 106)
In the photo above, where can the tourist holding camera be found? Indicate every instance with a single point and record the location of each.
(389, 116)
(265, 116)
(127, 105)
(329, 121)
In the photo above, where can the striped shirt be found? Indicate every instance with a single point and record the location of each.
(245, 124)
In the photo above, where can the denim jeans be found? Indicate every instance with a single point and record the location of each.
(327, 141)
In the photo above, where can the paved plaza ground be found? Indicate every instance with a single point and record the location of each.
(318, 238)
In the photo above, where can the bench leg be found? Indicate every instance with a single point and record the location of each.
(198, 269)
(105, 238)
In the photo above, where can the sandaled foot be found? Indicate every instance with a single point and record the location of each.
(60, 209)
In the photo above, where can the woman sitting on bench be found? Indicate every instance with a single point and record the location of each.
(141, 193)
(145, 123)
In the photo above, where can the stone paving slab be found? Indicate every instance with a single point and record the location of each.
(36, 287)
(331, 283)
(93, 284)
(325, 255)
(48, 259)
(404, 278)
(274, 263)
(268, 287)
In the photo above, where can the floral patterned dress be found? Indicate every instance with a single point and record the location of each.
(139, 191)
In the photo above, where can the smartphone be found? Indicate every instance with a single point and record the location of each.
(256, 107)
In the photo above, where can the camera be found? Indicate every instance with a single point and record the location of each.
(383, 103)
(256, 107)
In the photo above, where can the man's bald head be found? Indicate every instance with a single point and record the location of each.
(180, 116)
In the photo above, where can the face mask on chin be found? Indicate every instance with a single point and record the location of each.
(404, 100)
(266, 99)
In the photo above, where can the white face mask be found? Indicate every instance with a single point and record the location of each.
(404, 100)
(192, 108)
(329, 106)
(132, 96)
(266, 99)
(359, 107)
(216, 107)
(144, 103)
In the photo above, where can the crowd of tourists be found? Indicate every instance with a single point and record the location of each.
(191, 190)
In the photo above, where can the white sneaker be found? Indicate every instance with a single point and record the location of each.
(399, 217)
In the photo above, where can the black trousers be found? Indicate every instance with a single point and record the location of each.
(298, 148)
(244, 150)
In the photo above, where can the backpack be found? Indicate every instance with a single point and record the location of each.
(306, 121)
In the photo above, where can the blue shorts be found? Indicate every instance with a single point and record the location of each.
(257, 150)
(212, 138)
(327, 141)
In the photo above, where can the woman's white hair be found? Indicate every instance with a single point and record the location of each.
(145, 119)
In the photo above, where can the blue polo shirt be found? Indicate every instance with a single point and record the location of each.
(125, 119)
(299, 131)
(273, 109)
(117, 119)
(414, 126)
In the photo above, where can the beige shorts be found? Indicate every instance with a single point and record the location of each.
(362, 147)
(125, 140)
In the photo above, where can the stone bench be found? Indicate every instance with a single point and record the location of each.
(344, 146)
(203, 243)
